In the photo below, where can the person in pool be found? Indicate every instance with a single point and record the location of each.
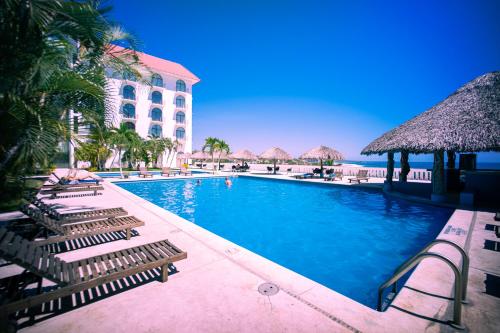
(228, 182)
(198, 182)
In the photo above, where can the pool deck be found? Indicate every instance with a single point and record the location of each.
(215, 288)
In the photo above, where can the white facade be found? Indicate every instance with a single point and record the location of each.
(161, 108)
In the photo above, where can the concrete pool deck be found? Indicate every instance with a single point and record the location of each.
(215, 288)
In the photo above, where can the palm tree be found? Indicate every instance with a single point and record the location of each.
(210, 147)
(221, 147)
(122, 138)
(54, 56)
(156, 147)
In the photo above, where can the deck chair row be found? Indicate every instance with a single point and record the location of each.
(76, 276)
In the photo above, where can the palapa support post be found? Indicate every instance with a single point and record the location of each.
(438, 182)
(390, 171)
(129, 234)
(405, 166)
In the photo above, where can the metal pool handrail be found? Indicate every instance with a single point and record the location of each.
(465, 265)
(457, 304)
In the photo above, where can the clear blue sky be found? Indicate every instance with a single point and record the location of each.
(297, 74)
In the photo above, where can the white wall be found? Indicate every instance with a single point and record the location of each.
(144, 105)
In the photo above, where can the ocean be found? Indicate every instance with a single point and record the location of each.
(420, 165)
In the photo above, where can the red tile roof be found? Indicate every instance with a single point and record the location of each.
(164, 66)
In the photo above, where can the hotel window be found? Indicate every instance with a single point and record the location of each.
(180, 117)
(180, 86)
(128, 111)
(156, 97)
(129, 76)
(129, 92)
(180, 102)
(156, 80)
(180, 133)
(156, 114)
(130, 125)
(155, 131)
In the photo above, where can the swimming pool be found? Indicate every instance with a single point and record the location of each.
(347, 239)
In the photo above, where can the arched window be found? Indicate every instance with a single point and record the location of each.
(129, 92)
(155, 131)
(180, 117)
(180, 133)
(156, 114)
(180, 86)
(180, 102)
(129, 76)
(128, 111)
(156, 80)
(156, 97)
(130, 125)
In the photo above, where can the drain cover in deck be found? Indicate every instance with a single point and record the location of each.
(268, 289)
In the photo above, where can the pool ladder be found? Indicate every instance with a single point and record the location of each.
(460, 289)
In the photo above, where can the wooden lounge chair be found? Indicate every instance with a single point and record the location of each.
(84, 215)
(54, 192)
(64, 232)
(304, 176)
(361, 175)
(166, 172)
(60, 182)
(143, 172)
(76, 276)
(185, 171)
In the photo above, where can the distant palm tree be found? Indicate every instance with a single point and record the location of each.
(122, 138)
(210, 147)
(221, 147)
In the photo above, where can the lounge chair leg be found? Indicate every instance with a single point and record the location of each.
(164, 273)
(129, 234)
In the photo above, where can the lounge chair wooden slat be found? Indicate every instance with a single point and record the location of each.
(135, 257)
(23, 248)
(15, 246)
(65, 272)
(3, 232)
(37, 257)
(51, 269)
(93, 268)
(108, 268)
(84, 266)
(58, 267)
(7, 239)
(152, 252)
(145, 252)
(100, 266)
(45, 261)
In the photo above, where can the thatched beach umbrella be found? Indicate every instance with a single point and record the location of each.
(322, 153)
(243, 155)
(199, 155)
(466, 121)
(275, 154)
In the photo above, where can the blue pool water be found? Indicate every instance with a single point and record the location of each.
(347, 239)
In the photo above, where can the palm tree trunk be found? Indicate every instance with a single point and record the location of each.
(213, 163)
(120, 161)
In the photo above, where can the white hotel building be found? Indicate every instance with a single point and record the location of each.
(162, 109)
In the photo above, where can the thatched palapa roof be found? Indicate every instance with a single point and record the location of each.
(466, 121)
(323, 153)
(243, 155)
(275, 153)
